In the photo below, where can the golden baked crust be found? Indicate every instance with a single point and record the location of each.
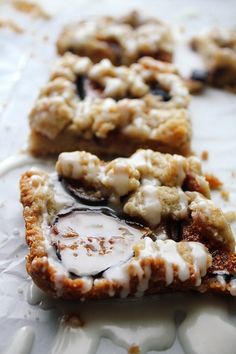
(111, 110)
(122, 40)
(218, 50)
(200, 258)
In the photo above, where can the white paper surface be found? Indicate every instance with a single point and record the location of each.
(24, 65)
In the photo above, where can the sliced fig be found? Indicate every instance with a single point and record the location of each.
(89, 242)
(116, 50)
(85, 196)
(156, 90)
(80, 86)
(199, 75)
(87, 88)
(167, 229)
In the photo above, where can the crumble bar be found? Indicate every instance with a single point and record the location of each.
(218, 50)
(111, 111)
(127, 227)
(122, 40)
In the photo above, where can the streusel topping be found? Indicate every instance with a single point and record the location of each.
(145, 100)
(155, 185)
(123, 40)
(218, 47)
(127, 174)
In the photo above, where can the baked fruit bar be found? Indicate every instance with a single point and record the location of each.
(123, 40)
(218, 50)
(111, 111)
(128, 227)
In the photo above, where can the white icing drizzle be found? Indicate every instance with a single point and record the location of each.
(200, 260)
(166, 250)
(207, 329)
(149, 327)
(77, 164)
(22, 342)
(146, 323)
(123, 175)
(150, 209)
(34, 294)
(16, 161)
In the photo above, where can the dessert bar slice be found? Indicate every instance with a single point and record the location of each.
(218, 49)
(111, 110)
(123, 40)
(128, 227)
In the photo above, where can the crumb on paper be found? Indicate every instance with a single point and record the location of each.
(205, 155)
(11, 25)
(134, 349)
(73, 321)
(45, 38)
(31, 8)
(230, 216)
(195, 87)
(225, 195)
(233, 174)
(213, 181)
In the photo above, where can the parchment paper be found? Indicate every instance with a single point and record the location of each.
(25, 61)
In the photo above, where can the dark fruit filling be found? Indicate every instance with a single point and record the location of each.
(86, 87)
(85, 196)
(199, 75)
(156, 90)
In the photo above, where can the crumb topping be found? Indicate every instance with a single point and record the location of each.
(218, 48)
(31, 8)
(10, 24)
(119, 98)
(213, 217)
(121, 40)
(122, 175)
(155, 185)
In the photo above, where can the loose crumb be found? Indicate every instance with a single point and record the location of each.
(205, 155)
(194, 87)
(233, 174)
(134, 349)
(225, 195)
(45, 38)
(31, 8)
(230, 216)
(213, 181)
(10, 24)
(73, 320)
